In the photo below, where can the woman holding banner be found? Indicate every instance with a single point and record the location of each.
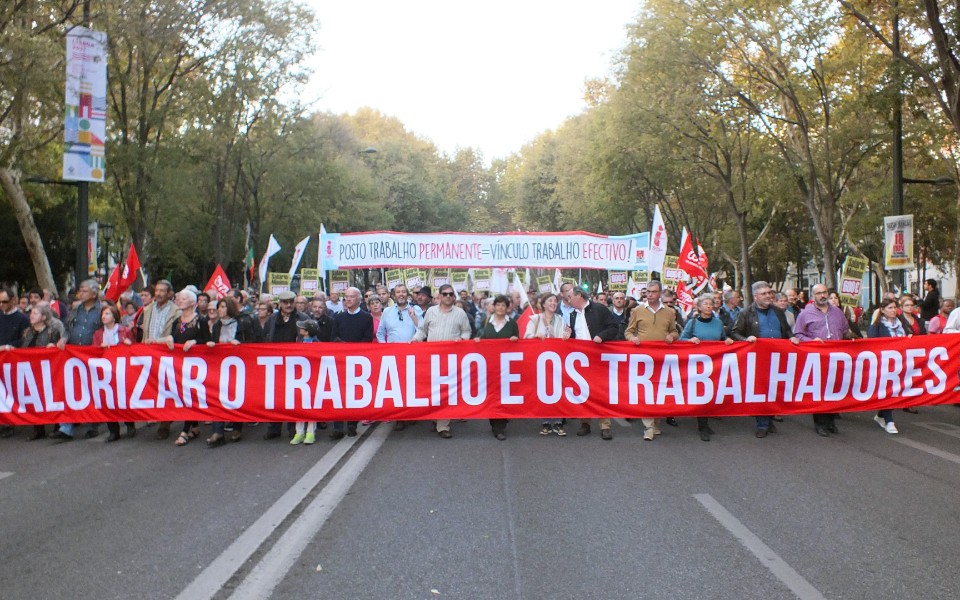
(113, 334)
(187, 331)
(44, 332)
(887, 324)
(705, 326)
(229, 328)
(499, 327)
(548, 324)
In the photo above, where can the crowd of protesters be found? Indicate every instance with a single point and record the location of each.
(157, 315)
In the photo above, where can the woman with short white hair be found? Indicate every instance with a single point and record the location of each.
(187, 331)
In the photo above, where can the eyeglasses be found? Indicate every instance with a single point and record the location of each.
(7, 301)
(286, 302)
(447, 294)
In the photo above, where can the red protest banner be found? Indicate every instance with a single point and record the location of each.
(488, 379)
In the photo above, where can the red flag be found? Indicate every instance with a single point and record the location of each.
(704, 264)
(130, 270)
(688, 261)
(524, 318)
(684, 298)
(219, 282)
(112, 291)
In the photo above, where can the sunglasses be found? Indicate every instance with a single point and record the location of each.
(447, 294)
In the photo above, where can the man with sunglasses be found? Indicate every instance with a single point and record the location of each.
(444, 323)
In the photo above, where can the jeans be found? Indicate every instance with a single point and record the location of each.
(763, 422)
(886, 415)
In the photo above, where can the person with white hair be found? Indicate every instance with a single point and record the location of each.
(79, 327)
(187, 331)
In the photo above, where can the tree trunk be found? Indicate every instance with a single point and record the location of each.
(10, 181)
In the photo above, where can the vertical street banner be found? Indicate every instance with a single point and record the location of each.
(898, 242)
(671, 274)
(309, 281)
(440, 277)
(394, 278)
(93, 249)
(617, 281)
(852, 280)
(278, 283)
(544, 284)
(637, 283)
(339, 280)
(85, 121)
(481, 280)
(412, 279)
(458, 279)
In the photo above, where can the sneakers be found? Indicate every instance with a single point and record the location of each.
(546, 429)
(558, 429)
(891, 428)
(310, 438)
(880, 421)
(656, 431)
(648, 434)
(297, 439)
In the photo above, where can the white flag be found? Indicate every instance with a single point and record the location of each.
(272, 248)
(599, 287)
(298, 254)
(557, 281)
(658, 243)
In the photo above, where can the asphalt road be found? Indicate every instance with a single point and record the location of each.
(863, 514)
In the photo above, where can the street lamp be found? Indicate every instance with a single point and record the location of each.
(106, 230)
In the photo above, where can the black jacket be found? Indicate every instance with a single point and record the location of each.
(600, 321)
(748, 324)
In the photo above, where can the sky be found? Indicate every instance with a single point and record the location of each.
(490, 75)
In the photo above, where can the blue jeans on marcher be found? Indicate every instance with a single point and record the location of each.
(763, 422)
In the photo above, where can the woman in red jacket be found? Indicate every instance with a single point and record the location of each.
(113, 334)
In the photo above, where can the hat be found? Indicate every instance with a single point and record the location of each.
(287, 296)
(310, 326)
(426, 290)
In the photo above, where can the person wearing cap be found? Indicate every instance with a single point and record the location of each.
(424, 298)
(281, 328)
(306, 432)
(351, 325)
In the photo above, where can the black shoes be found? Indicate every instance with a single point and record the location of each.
(352, 432)
(399, 426)
(337, 435)
(606, 434)
(91, 433)
(113, 437)
(821, 431)
(584, 429)
(832, 428)
(500, 436)
(704, 435)
(671, 421)
(761, 433)
(131, 431)
(271, 435)
(446, 434)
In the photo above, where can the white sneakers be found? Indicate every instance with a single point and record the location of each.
(648, 434)
(888, 427)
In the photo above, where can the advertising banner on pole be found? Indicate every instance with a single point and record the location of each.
(898, 242)
(85, 121)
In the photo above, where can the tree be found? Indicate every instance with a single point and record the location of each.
(31, 80)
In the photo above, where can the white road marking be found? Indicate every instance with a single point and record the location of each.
(218, 572)
(954, 458)
(272, 568)
(767, 557)
(944, 428)
(5, 474)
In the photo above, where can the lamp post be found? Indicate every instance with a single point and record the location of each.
(106, 230)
